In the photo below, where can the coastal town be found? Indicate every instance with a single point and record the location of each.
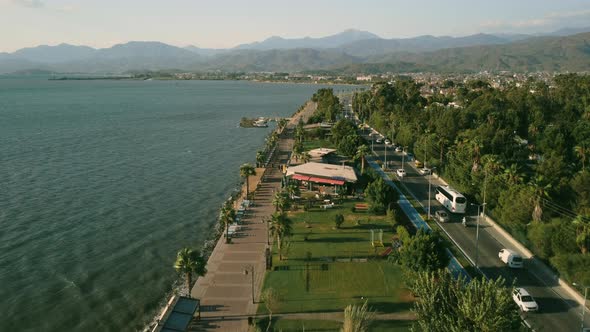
(327, 226)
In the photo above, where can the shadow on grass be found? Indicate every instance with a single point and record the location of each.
(337, 239)
(389, 307)
(369, 227)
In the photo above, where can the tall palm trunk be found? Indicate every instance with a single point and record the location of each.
(362, 164)
(247, 187)
(189, 281)
(279, 247)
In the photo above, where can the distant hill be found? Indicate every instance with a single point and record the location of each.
(280, 60)
(570, 53)
(417, 44)
(54, 54)
(371, 55)
(275, 42)
(206, 52)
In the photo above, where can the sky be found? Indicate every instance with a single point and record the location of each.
(227, 23)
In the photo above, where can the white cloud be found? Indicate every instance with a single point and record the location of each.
(29, 3)
(548, 21)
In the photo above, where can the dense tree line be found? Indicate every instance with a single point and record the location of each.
(525, 148)
(328, 108)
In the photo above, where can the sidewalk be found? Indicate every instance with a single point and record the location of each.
(228, 295)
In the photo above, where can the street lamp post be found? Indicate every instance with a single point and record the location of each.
(583, 305)
(385, 147)
(403, 155)
(429, 189)
(250, 269)
(477, 233)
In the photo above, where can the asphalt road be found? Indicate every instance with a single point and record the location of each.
(557, 312)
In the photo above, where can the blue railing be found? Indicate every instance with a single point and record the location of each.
(454, 266)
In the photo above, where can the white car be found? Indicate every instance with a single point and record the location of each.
(398, 149)
(379, 140)
(524, 300)
(387, 141)
(425, 171)
(401, 172)
(511, 258)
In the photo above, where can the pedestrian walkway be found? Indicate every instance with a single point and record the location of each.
(230, 291)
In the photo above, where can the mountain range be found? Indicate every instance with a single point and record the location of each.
(349, 51)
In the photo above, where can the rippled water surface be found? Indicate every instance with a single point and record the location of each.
(101, 182)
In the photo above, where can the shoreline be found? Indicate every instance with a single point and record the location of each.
(226, 286)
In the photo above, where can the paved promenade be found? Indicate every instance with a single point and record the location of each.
(226, 290)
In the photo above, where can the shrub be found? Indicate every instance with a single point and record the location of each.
(338, 220)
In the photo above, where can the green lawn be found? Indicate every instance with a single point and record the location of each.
(319, 143)
(325, 269)
(288, 325)
(314, 232)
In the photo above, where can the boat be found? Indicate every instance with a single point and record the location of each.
(261, 123)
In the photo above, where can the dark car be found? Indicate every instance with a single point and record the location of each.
(441, 216)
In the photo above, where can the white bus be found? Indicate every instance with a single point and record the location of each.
(451, 199)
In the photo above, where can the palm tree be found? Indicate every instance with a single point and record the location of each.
(245, 171)
(297, 150)
(357, 318)
(582, 153)
(513, 175)
(190, 262)
(540, 190)
(292, 189)
(361, 152)
(305, 157)
(475, 146)
(280, 227)
(442, 142)
(281, 201)
(259, 159)
(227, 216)
(582, 233)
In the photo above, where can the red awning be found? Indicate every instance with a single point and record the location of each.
(300, 177)
(327, 181)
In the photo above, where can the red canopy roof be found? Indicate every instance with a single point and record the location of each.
(300, 177)
(327, 181)
(317, 180)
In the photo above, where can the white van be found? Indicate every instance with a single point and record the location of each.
(511, 258)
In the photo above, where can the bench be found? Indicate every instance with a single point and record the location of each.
(361, 207)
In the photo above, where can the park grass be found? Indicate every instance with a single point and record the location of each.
(288, 325)
(317, 143)
(315, 233)
(324, 269)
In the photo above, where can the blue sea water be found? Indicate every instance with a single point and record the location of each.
(101, 182)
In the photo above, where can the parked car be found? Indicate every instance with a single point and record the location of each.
(379, 140)
(425, 171)
(387, 141)
(398, 149)
(401, 172)
(524, 300)
(418, 163)
(441, 216)
(511, 258)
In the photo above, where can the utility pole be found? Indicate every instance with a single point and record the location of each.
(429, 189)
(583, 304)
(385, 147)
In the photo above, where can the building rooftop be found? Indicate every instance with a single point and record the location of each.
(321, 152)
(336, 172)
